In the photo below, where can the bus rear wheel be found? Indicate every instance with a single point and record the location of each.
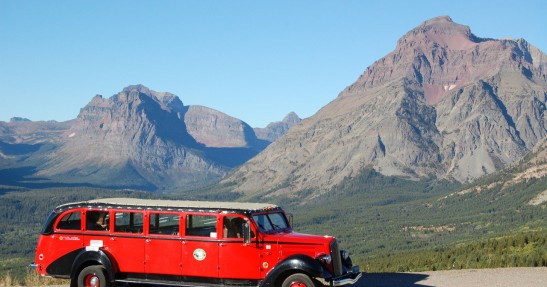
(92, 276)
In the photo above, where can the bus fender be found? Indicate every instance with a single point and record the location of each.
(294, 264)
(87, 258)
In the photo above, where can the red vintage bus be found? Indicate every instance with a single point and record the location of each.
(187, 243)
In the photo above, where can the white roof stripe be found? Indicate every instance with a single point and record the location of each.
(178, 203)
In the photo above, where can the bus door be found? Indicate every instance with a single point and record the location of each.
(97, 229)
(126, 242)
(163, 247)
(200, 246)
(237, 260)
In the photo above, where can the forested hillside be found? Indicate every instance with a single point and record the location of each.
(22, 213)
(387, 223)
(379, 218)
(525, 249)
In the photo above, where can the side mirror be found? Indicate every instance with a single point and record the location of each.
(246, 233)
(291, 220)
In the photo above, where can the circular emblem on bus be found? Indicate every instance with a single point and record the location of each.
(199, 254)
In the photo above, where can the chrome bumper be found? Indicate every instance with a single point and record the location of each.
(348, 278)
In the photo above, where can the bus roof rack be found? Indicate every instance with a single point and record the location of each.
(174, 204)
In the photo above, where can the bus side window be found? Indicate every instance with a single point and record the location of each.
(129, 222)
(71, 221)
(164, 223)
(201, 225)
(97, 220)
(233, 227)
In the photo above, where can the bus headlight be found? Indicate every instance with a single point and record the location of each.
(325, 259)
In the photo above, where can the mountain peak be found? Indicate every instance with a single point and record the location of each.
(19, 120)
(439, 19)
(292, 118)
(275, 130)
(167, 100)
(440, 56)
(138, 88)
(442, 31)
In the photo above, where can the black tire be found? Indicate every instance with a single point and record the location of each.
(93, 276)
(298, 280)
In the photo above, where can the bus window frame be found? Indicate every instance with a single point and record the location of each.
(217, 224)
(148, 219)
(114, 225)
(109, 227)
(63, 215)
(243, 218)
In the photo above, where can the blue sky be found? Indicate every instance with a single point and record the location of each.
(253, 60)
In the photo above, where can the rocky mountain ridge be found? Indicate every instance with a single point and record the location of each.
(445, 104)
(137, 138)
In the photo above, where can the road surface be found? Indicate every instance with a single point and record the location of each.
(499, 277)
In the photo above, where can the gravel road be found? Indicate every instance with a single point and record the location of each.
(499, 277)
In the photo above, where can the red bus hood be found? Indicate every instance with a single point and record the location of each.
(294, 237)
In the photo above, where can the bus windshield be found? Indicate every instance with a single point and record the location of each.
(271, 222)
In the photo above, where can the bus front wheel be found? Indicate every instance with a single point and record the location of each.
(298, 280)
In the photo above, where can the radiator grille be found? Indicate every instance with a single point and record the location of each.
(336, 260)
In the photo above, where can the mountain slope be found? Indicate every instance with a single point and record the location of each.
(384, 219)
(215, 129)
(137, 138)
(444, 103)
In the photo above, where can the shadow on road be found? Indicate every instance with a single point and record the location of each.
(391, 280)
(367, 280)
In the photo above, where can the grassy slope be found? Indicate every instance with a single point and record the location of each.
(389, 216)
